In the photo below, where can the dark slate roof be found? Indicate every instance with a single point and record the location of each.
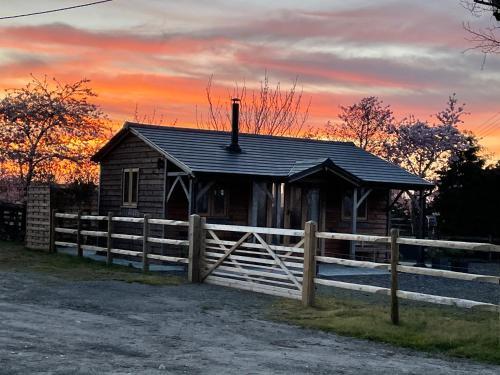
(196, 150)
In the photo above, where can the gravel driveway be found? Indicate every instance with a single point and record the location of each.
(55, 326)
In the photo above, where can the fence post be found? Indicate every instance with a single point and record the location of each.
(195, 248)
(309, 264)
(79, 250)
(109, 254)
(394, 276)
(145, 247)
(52, 246)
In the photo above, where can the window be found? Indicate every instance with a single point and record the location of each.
(214, 202)
(130, 187)
(347, 208)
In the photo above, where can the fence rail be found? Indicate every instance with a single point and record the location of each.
(394, 267)
(110, 235)
(249, 258)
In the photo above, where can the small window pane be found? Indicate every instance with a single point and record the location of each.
(126, 186)
(135, 186)
(347, 208)
(219, 202)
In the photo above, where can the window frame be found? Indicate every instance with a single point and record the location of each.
(129, 172)
(359, 217)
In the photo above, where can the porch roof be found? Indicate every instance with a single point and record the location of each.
(204, 151)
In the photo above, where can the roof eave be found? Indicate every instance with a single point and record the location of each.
(124, 131)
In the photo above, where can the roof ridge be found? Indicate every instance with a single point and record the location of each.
(128, 124)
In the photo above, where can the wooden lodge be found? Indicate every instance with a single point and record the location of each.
(247, 179)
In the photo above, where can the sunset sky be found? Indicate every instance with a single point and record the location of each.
(159, 54)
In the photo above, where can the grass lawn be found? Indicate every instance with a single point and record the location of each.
(14, 257)
(451, 331)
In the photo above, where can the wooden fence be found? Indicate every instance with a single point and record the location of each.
(109, 235)
(394, 267)
(253, 258)
(12, 221)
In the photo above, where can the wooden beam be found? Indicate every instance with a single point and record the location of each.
(260, 230)
(145, 245)
(391, 204)
(309, 264)
(184, 187)
(194, 271)
(204, 190)
(79, 234)
(354, 222)
(52, 246)
(172, 187)
(394, 276)
(190, 197)
(363, 197)
(109, 255)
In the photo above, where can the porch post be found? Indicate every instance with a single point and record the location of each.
(190, 197)
(277, 200)
(421, 229)
(354, 217)
(255, 205)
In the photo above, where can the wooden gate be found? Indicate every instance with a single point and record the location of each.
(253, 258)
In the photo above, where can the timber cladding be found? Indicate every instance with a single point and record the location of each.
(133, 153)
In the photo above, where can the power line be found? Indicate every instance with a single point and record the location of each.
(55, 10)
(489, 129)
(487, 122)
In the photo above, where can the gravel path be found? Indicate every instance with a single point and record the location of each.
(53, 326)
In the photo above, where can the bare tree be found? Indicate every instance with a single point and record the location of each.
(487, 39)
(154, 117)
(44, 123)
(267, 110)
(365, 123)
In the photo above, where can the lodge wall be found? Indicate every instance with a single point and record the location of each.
(374, 224)
(132, 152)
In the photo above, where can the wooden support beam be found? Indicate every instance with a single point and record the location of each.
(109, 242)
(145, 247)
(309, 264)
(354, 222)
(391, 204)
(172, 187)
(195, 248)
(191, 197)
(255, 205)
(52, 246)
(394, 276)
(204, 189)
(363, 197)
(79, 250)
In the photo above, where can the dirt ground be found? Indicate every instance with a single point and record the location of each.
(56, 326)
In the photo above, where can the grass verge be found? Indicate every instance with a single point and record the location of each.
(450, 331)
(15, 257)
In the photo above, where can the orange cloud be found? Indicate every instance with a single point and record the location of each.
(168, 73)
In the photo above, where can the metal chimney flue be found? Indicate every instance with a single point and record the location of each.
(235, 125)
